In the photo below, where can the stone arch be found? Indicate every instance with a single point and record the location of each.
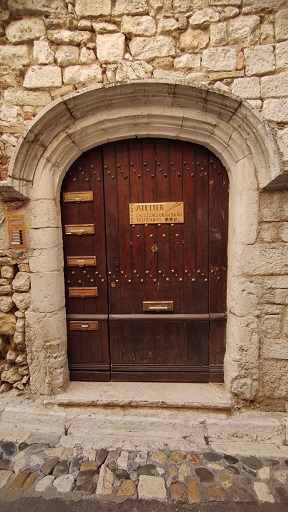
(231, 129)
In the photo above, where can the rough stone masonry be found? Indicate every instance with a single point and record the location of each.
(238, 47)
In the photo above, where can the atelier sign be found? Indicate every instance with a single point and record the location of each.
(156, 213)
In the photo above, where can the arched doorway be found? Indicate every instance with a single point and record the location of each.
(145, 226)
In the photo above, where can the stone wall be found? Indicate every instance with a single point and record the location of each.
(238, 47)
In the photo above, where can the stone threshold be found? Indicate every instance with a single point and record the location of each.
(144, 394)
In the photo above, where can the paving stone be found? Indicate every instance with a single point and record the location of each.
(39, 437)
(8, 448)
(215, 466)
(264, 473)
(225, 479)
(172, 475)
(217, 494)
(127, 488)
(30, 481)
(22, 446)
(75, 466)
(48, 466)
(19, 480)
(6, 464)
(281, 475)
(141, 458)
(36, 448)
(252, 462)
(176, 457)
(160, 457)
(64, 483)
(89, 464)
(84, 477)
(183, 472)
(243, 495)
(4, 477)
(233, 470)
(111, 460)
(61, 468)
(152, 488)
(194, 458)
(178, 492)
(230, 459)
(122, 460)
(105, 482)
(212, 456)
(121, 474)
(272, 462)
(193, 491)
(204, 475)
(263, 492)
(88, 487)
(44, 483)
(282, 494)
(149, 469)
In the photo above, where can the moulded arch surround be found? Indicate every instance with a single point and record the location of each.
(89, 117)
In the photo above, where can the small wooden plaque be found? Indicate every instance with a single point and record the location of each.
(80, 229)
(156, 213)
(78, 197)
(84, 326)
(81, 261)
(83, 292)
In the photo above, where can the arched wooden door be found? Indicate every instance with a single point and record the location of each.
(145, 246)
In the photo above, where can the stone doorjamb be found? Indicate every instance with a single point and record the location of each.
(230, 128)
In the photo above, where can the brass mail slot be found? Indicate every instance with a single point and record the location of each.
(81, 261)
(83, 326)
(155, 305)
(77, 197)
(80, 229)
(83, 292)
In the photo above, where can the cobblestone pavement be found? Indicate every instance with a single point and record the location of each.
(42, 467)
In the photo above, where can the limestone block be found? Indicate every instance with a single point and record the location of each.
(87, 56)
(14, 56)
(274, 207)
(21, 283)
(267, 33)
(219, 34)
(82, 74)
(7, 272)
(229, 12)
(110, 47)
(276, 110)
(11, 356)
(167, 25)
(25, 30)
(102, 27)
(138, 25)
(219, 59)
(152, 488)
(21, 300)
(132, 70)
(68, 37)
(5, 289)
(245, 297)
(274, 377)
(275, 86)
(188, 61)
(31, 98)
(265, 259)
(12, 375)
(193, 40)
(283, 230)
(67, 56)
(246, 87)
(256, 6)
(6, 304)
(281, 25)
(271, 326)
(244, 30)
(46, 213)
(274, 348)
(24, 7)
(64, 483)
(156, 5)
(163, 73)
(105, 482)
(185, 5)
(48, 293)
(145, 48)
(7, 323)
(42, 53)
(268, 233)
(203, 18)
(130, 7)
(10, 114)
(225, 2)
(259, 60)
(51, 259)
(88, 8)
(38, 77)
(281, 54)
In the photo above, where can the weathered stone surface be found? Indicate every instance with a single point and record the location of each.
(4, 477)
(219, 59)
(7, 323)
(193, 40)
(162, 73)
(44, 483)
(101, 456)
(110, 47)
(178, 492)
(130, 7)
(132, 70)
(64, 483)
(219, 34)
(21, 282)
(148, 469)
(68, 37)
(229, 12)
(246, 87)
(203, 18)
(33, 98)
(193, 491)
(42, 53)
(8, 448)
(25, 30)
(61, 468)
(281, 25)
(176, 457)
(19, 480)
(14, 55)
(87, 56)
(6, 304)
(275, 86)
(48, 466)
(105, 482)
(263, 492)
(10, 115)
(244, 30)
(281, 54)
(138, 25)
(67, 56)
(204, 474)
(259, 60)
(24, 7)
(159, 456)
(276, 110)
(82, 74)
(217, 494)
(145, 48)
(11, 356)
(242, 495)
(12, 376)
(21, 300)
(167, 25)
(152, 488)
(188, 61)
(127, 488)
(38, 77)
(103, 27)
(88, 8)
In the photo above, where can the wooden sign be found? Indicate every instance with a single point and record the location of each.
(80, 229)
(81, 261)
(78, 197)
(156, 213)
(83, 292)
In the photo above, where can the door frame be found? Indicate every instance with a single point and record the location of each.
(230, 128)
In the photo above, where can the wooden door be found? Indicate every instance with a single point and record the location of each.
(175, 270)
